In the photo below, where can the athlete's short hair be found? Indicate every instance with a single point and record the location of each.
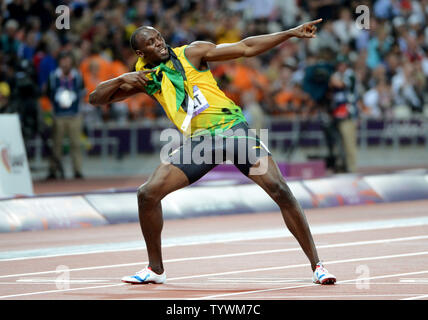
(134, 37)
(133, 40)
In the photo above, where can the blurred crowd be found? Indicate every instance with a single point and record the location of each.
(388, 60)
(383, 67)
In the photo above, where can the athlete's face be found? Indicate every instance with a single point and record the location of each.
(152, 47)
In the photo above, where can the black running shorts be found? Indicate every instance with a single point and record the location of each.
(198, 155)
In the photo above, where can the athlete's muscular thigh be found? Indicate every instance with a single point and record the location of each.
(164, 180)
(273, 182)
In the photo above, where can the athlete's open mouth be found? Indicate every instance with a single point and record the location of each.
(164, 51)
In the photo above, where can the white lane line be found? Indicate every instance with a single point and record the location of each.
(259, 281)
(245, 271)
(222, 256)
(308, 280)
(60, 290)
(62, 281)
(210, 239)
(413, 281)
(385, 276)
(309, 285)
(425, 296)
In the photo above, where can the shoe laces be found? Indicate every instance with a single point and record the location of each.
(143, 270)
(320, 267)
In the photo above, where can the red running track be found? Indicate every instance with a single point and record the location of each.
(377, 252)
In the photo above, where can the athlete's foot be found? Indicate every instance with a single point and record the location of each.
(322, 276)
(147, 275)
(157, 270)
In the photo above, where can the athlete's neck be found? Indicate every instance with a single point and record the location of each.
(151, 65)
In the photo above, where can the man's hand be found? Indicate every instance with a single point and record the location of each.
(136, 79)
(306, 30)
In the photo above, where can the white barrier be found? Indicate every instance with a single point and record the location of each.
(15, 177)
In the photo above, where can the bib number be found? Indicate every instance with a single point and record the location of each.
(194, 107)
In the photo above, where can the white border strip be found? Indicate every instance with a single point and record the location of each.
(210, 238)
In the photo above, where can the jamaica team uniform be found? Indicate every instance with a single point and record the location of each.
(206, 115)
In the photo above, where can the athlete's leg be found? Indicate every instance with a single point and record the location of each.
(166, 179)
(274, 184)
(174, 173)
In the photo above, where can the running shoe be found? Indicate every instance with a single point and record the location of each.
(145, 276)
(322, 276)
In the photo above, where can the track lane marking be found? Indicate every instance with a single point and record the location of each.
(417, 297)
(246, 271)
(312, 284)
(60, 290)
(337, 245)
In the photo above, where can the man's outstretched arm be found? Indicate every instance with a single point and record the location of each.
(119, 88)
(199, 52)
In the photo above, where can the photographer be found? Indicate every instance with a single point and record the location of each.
(4, 97)
(316, 84)
(24, 100)
(343, 112)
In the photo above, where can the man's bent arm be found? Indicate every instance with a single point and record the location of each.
(119, 88)
(109, 91)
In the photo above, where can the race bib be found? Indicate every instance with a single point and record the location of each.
(199, 101)
(194, 107)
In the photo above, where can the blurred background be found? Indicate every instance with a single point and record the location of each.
(354, 98)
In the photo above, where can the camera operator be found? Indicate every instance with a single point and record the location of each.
(316, 83)
(24, 100)
(344, 112)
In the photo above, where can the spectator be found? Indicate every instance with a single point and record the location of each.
(289, 98)
(9, 44)
(4, 98)
(377, 102)
(228, 30)
(65, 90)
(120, 111)
(326, 39)
(386, 9)
(378, 47)
(17, 10)
(45, 62)
(253, 110)
(27, 49)
(289, 11)
(345, 28)
(94, 70)
(408, 86)
(247, 76)
(389, 59)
